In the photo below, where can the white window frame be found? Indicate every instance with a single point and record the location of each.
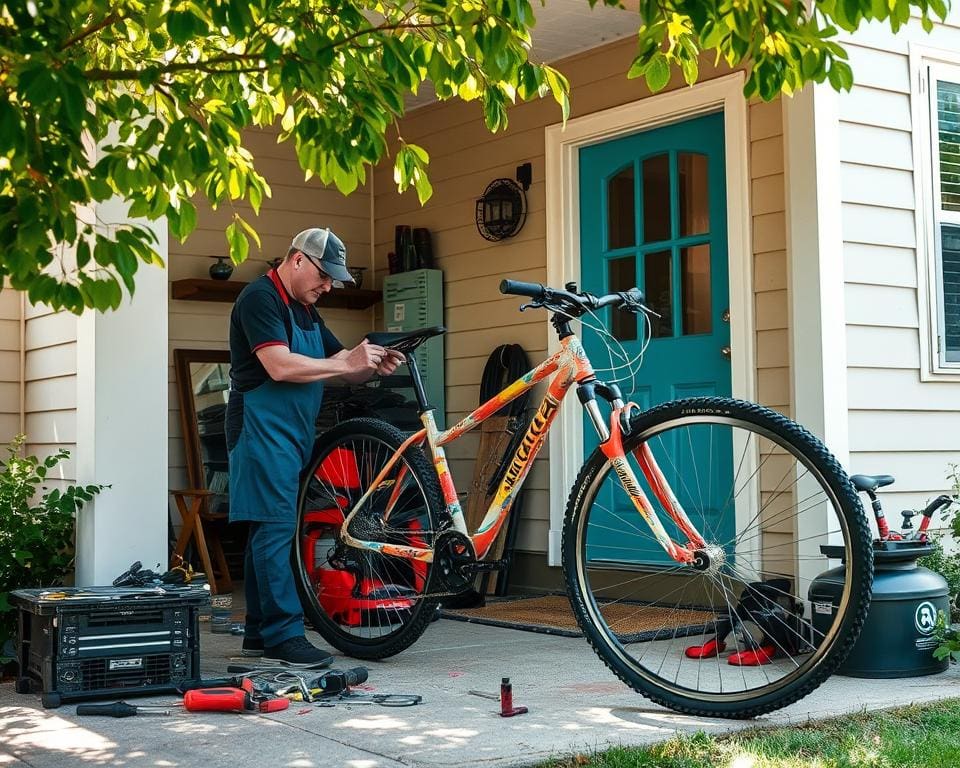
(927, 65)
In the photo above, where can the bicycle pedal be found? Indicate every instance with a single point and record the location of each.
(484, 566)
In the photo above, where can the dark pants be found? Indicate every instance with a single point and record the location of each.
(273, 608)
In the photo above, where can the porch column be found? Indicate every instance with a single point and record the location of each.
(818, 354)
(818, 364)
(122, 407)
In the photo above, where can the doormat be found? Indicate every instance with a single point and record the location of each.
(552, 615)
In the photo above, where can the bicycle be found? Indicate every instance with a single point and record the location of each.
(381, 537)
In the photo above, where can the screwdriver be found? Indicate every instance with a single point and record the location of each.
(120, 709)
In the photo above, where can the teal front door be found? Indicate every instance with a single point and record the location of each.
(653, 215)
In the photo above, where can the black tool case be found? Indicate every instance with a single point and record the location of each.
(78, 644)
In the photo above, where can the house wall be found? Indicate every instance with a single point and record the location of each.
(898, 423)
(465, 157)
(50, 386)
(10, 399)
(295, 205)
(769, 256)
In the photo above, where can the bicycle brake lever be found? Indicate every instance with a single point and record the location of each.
(532, 305)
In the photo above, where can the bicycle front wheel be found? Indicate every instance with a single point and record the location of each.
(366, 604)
(735, 634)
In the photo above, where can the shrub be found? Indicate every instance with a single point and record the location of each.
(36, 528)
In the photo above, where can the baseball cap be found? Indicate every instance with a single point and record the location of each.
(326, 250)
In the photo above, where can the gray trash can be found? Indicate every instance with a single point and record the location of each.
(898, 635)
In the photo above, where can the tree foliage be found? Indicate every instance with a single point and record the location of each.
(147, 101)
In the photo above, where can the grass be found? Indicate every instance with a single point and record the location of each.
(925, 736)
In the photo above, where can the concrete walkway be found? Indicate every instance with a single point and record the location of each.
(576, 706)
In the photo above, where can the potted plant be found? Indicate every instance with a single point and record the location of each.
(36, 530)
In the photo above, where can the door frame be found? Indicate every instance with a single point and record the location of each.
(562, 172)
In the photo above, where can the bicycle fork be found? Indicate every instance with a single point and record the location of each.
(611, 445)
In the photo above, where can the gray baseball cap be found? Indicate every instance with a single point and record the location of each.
(326, 250)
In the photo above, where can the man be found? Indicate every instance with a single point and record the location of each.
(281, 353)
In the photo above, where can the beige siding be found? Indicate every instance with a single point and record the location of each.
(898, 423)
(769, 255)
(50, 386)
(294, 205)
(464, 158)
(10, 325)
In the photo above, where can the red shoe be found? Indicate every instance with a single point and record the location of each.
(706, 651)
(756, 658)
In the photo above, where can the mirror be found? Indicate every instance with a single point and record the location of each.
(203, 385)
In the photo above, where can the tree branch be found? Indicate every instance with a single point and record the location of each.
(91, 30)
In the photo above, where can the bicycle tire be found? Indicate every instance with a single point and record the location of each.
(413, 620)
(831, 649)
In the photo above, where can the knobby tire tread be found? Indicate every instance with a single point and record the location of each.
(423, 471)
(861, 567)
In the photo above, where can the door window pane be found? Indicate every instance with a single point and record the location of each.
(695, 289)
(658, 290)
(656, 198)
(621, 230)
(694, 200)
(622, 276)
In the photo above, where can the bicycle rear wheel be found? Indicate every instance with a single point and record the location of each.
(366, 604)
(735, 635)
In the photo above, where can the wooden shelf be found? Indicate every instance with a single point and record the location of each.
(200, 289)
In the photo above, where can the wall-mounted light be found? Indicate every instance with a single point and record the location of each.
(502, 210)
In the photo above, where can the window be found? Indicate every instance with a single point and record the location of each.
(943, 87)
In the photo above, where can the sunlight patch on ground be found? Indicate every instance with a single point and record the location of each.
(605, 716)
(29, 729)
(743, 761)
(374, 722)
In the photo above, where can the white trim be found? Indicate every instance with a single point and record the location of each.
(563, 241)
(928, 268)
(815, 290)
(815, 279)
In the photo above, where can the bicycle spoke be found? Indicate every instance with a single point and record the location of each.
(762, 510)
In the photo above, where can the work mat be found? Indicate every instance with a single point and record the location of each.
(552, 615)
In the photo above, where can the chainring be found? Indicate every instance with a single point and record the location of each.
(452, 558)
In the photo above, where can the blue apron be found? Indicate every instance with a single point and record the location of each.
(276, 441)
(274, 445)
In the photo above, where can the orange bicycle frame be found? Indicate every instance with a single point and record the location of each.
(570, 366)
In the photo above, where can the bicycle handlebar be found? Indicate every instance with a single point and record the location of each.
(571, 302)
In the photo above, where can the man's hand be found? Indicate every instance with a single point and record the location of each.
(365, 359)
(390, 361)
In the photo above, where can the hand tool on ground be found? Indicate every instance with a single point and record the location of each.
(337, 680)
(245, 698)
(485, 695)
(382, 699)
(120, 709)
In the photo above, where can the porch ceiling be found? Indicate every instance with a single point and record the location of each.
(565, 28)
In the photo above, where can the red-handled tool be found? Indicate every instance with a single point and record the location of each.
(218, 700)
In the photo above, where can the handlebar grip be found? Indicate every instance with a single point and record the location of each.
(518, 288)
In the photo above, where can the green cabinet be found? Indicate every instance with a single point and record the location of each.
(413, 300)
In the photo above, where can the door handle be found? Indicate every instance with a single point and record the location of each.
(725, 352)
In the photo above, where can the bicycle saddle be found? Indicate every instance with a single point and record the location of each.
(871, 482)
(405, 341)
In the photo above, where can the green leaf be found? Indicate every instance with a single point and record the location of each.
(181, 25)
(237, 240)
(657, 73)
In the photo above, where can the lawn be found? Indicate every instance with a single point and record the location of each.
(913, 737)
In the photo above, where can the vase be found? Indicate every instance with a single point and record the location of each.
(221, 270)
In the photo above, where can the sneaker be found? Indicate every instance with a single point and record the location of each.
(252, 647)
(297, 652)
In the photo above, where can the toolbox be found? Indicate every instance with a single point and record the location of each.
(77, 644)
